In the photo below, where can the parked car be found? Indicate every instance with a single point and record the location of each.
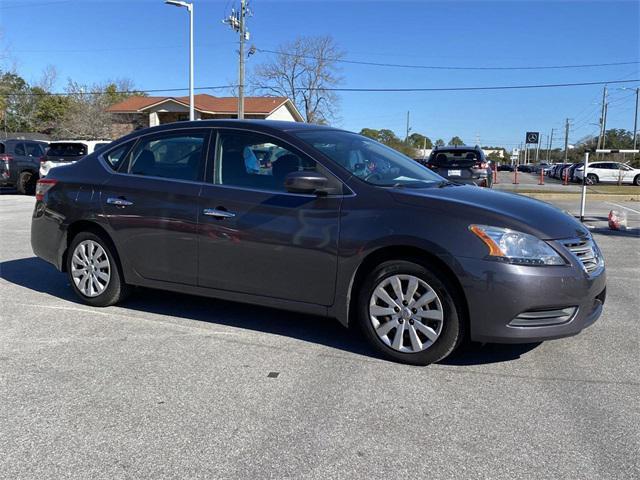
(505, 167)
(66, 152)
(525, 168)
(461, 165)
(563, 172)
(19, 163)
(341, 226)
(556, 172)
(572, 171)
(609, 172)
(546, 169)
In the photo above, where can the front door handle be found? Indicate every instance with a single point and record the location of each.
(217, 213)
(119, 201)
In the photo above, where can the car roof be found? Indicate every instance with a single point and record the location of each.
(86, 142)
(266, 125)
(457, 147)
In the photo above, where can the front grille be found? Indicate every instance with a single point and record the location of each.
(586, 251)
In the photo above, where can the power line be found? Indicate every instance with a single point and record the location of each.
(457, 89)
(348, 89)
(449, 67)
(134, 91)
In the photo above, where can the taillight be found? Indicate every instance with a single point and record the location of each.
(482, 165)
(5, 157)
(43, 186)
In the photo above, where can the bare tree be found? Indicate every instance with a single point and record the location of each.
(87, 116)
(304, 70)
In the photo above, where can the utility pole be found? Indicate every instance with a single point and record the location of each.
(406, 137)
(602, 113)
(566, 140)
(237, 22)
(604, 124)
(550, 144)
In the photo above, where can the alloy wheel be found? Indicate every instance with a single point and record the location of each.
(406, 313)
(90, 268)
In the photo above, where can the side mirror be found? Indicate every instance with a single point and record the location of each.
(305, 182)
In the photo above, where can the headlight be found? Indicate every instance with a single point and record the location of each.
(516, 247)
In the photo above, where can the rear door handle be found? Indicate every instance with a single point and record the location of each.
(216, 213)
(119, 201)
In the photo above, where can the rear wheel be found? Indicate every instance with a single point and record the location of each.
(26, 183)
(408, 313)
(636, 181)
(93, 271)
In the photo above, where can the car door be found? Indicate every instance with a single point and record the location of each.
(20, 157)
(33, 151)
(151, 203)
(254, 236)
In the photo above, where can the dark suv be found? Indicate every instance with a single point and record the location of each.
(336, 225)
(20, 162)
(461, 165)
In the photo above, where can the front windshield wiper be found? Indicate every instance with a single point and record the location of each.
(445, 183)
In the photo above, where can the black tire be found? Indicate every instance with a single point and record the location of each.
(636, 180)
(116, 290)
(26, 183)
(593, 178)
(453, 325)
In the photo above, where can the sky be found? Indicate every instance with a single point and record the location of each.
(147, 41)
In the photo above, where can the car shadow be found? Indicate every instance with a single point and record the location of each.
(629, 232)
(481, 354)
(37, 275)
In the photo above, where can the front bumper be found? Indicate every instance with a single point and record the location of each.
(499, 295)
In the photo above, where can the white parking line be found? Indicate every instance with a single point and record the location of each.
(622, 206)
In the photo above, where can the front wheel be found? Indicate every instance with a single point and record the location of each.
(93, 271)
(592, 179)
(408, 313)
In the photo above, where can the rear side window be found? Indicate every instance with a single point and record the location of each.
(177, 156)
(34, 149)
(115, 157)
(61, 149)
(19, 150)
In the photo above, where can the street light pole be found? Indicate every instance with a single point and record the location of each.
(635, 122)
(192, 115)
(189, 7)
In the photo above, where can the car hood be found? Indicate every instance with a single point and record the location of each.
(484, 206)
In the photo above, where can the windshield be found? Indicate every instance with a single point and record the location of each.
(61, 149)
(443, 158)
(369, 160)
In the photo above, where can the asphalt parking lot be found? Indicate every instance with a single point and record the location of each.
(174, 386)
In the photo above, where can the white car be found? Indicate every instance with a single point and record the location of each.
(609, 172)
(66, 152)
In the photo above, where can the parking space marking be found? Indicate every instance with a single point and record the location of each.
(622, 206)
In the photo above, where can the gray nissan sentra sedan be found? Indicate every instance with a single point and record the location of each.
(321, 221)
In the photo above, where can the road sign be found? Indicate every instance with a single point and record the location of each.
(532, 137)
